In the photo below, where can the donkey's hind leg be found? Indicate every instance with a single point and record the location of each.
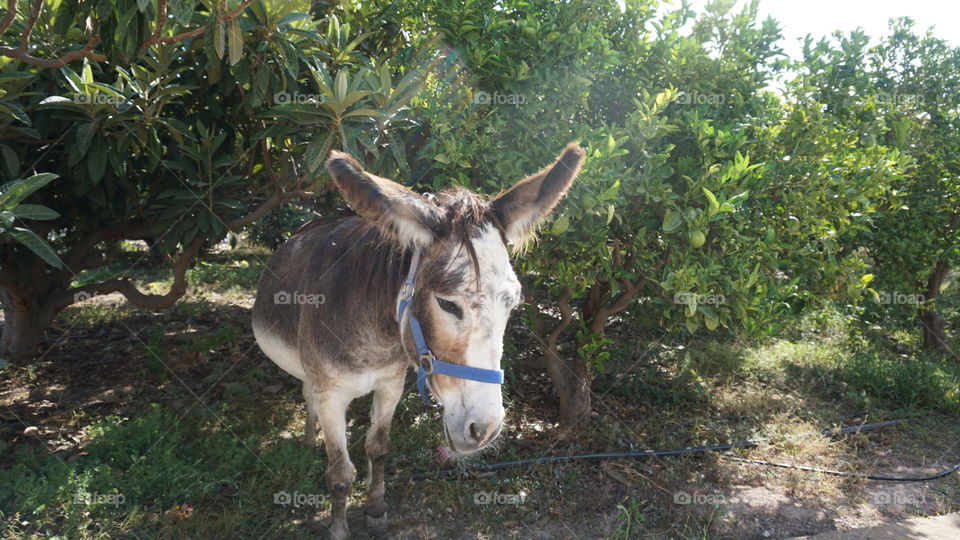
(331, 410)
(310, 431)
(385, 399)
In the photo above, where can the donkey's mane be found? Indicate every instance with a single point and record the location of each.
(377, 263)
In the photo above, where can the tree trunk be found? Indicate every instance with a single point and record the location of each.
(576, 408)
(571, 382)
(934, 333)
(26, 315)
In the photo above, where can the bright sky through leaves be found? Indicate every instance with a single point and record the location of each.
(822, 17)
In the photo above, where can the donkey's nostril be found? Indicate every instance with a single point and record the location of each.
(479, 432)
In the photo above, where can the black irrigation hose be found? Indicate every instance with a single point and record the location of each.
(689, 450)
(940, 474)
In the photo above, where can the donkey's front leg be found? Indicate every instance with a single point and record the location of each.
(331, 409)
(385, 399)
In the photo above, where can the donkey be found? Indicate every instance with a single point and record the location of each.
(340, 303)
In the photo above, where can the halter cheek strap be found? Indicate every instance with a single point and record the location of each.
(428, 364)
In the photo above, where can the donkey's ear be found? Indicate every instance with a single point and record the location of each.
(397, 211)
(521, 207)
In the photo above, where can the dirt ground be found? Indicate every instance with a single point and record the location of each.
(100, 370)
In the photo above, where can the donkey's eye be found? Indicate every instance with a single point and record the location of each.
(450, 307)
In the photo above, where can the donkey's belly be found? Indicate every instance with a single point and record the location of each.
(277, 350)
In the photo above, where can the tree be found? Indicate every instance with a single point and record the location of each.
(902, 94)
(688, 206)
(173, 123)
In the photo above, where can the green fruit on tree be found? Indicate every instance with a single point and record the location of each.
(697, 239)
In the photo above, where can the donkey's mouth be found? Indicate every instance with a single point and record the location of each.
(453, 447)
(446, 434)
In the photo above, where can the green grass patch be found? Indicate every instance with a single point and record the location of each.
(135, 469)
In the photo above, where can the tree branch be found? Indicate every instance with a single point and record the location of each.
(266, 206)
(133, 295)
(156, 38)
(629, 291)
(161, 19)
(31, 21)
(558, 372)
(22, 53)
(8, 18)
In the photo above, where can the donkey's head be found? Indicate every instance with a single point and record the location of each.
(465, 287)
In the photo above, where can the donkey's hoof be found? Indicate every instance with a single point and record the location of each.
(378, 527)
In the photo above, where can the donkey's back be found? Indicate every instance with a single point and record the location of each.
(320, 299)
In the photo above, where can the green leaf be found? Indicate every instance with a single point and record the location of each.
(219, 41)
(97, 160)
(182, 10)
(672, 221)
(317, 151)
(610, 211)
(560, 225)
(693, 324)
(711, 323)
(714, 204)
(753, 276)
(85, 133)
(341, 84)
(34, 211)
(10, 161)
(236, 42)
(15, 111)
(87, 77)
(691, 302)
(739, 197)
(37, 245)
(73, 79)
(16, 191)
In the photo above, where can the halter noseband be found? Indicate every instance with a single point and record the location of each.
(428, 364)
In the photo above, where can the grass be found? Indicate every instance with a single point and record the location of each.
(172, 424)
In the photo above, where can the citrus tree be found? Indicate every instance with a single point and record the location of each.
(901, 94)
(704, 198)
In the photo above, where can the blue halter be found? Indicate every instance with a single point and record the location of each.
(428, 364)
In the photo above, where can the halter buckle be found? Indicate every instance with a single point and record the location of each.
(406, 291)
(426, 362)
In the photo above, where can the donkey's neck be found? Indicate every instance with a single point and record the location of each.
(362, 275)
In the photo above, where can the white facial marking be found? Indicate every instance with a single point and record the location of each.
(473, 411)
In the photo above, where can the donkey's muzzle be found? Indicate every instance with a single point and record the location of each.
(473, 436)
